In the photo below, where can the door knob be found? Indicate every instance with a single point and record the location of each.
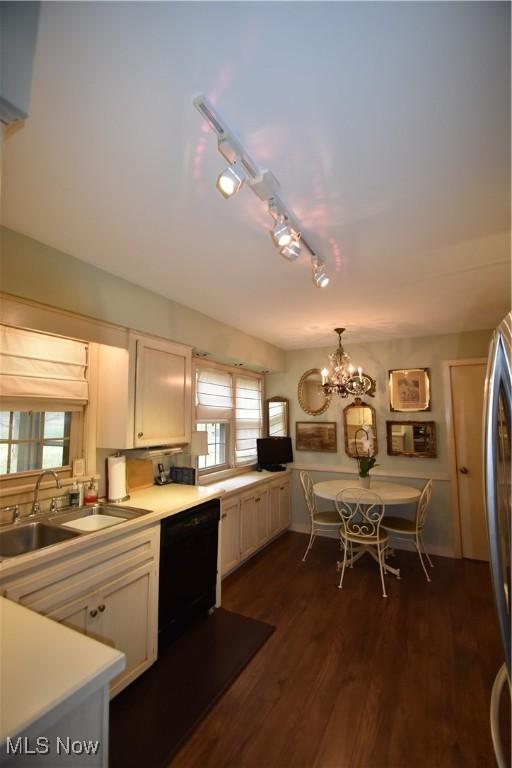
(463, 470)
(140, 434)
(93, 613)
(101, 608)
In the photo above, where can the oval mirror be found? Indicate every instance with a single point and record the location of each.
(276, 417)
(360, 429)
(312, 398)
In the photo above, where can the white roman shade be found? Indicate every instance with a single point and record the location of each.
(214, 395)
(247, 418)
(37, 366)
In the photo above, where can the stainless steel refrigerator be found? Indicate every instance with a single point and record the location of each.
(497, 426)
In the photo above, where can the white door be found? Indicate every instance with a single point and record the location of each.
(248, 529)
(262, 521)
(284, 505)
(467, 394)
(274, 509)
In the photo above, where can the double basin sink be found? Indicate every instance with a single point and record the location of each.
(53, 528)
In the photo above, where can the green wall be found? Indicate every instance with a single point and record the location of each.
(31, 270)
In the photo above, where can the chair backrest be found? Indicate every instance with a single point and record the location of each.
(309, 496)
(361, 512)
(423, 502)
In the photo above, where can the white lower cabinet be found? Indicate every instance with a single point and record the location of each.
(230, 535)
(252, 518)
(109, 593)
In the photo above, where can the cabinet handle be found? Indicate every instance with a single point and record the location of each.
(140, 434)
(93, 613)
(464, 471)
(101, 608)
(224, 514)
(258, 499)
(281, 488)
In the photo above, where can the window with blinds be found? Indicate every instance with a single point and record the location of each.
(43, 391)
(229, 409)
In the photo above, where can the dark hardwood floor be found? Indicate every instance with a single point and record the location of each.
(352, 680)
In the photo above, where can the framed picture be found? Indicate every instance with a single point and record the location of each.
(409, 390)
(315, 436)
(411, 438)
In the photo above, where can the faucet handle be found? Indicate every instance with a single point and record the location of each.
(35, 509)
(53, 505)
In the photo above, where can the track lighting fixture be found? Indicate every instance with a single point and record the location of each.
(286, 230)
(281, 234)
(231, 179)
(291, 251)
(320, 277)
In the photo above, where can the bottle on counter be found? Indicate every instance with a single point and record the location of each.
(91, 493)
(74, 495)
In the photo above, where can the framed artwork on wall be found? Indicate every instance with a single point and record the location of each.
(315, 436)
(409, 390)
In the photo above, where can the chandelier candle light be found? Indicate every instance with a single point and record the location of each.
(340, 378)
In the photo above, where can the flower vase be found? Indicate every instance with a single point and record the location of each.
(364, 482)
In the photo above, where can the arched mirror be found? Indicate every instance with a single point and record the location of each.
(360, 429)
(312, 398)
(276, 417)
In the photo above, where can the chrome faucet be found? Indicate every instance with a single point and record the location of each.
(35, 506)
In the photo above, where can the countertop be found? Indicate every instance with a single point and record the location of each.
(56, 665)
(159, 501)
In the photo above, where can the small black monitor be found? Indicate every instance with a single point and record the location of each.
(273, 452)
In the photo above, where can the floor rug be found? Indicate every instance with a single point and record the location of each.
(152, 718)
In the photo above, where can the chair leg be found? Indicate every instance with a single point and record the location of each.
(425, 551)
(340, 585)
(418, 549)
(381, 557)
(310, 543)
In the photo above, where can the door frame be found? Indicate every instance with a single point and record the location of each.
(452, 456)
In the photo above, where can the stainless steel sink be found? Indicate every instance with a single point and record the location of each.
(110, 510)
(27, 537)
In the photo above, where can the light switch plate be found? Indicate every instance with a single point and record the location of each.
(78, 467)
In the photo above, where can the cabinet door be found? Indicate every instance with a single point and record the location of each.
(128, 620)
(229, 536)
(284, 505)
(262, 521)
(162, 393)
(274, 519)
(248, 528)
(75, 614)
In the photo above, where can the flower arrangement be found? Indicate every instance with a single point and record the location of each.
(365, 463)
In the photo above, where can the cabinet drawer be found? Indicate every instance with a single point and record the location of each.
(51, 586)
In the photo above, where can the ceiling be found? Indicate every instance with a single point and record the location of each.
(387, 125)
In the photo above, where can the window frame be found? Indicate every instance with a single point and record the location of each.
(230, 468)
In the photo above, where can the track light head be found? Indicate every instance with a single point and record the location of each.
(231, 179)
(281, 233)
(291, 251)
(319, 276)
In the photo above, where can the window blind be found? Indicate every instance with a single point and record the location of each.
(38, 366)
(247, 418)
(214, 394)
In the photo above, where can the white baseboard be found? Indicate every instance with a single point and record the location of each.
(395, 543)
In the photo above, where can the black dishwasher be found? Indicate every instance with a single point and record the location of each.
(188, 568)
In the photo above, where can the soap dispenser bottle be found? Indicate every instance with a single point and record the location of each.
(91, 493)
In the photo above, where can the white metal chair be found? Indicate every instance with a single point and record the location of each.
(328, 520)
(361, 512)
(404, 528)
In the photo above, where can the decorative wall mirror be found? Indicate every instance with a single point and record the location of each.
(360, 426)
(276, 417)
(411, 438)
(312, 398)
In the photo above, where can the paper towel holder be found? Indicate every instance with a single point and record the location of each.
(123, 498)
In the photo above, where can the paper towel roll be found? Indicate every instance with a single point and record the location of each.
(117, 478)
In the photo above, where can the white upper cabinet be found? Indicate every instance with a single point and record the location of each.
(144, 394)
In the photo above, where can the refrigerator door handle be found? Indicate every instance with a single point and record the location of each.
(497, 688)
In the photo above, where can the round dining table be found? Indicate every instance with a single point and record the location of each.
(390, 493)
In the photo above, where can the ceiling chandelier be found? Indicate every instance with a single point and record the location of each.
(341, 377)
(286, 230)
